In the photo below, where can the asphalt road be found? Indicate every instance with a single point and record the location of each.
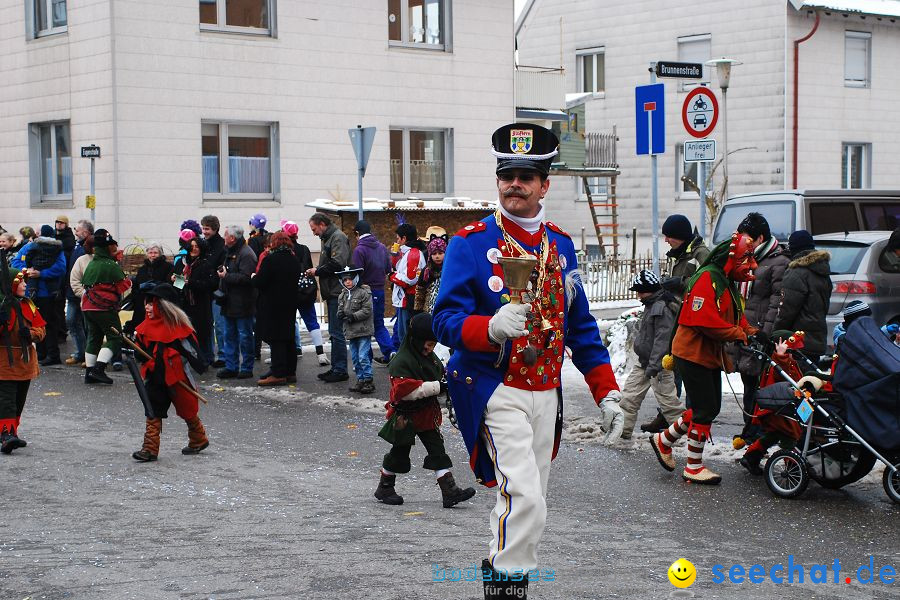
(280, 506)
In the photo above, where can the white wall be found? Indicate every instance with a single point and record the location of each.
(329, 69)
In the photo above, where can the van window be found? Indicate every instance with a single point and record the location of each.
(878, 216)
(829, 217)
(780, 216)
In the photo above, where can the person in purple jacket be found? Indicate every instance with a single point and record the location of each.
(371, 256)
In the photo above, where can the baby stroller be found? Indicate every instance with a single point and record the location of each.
(840, 433)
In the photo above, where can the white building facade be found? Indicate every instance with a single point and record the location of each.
(848, 124)
(242, 106)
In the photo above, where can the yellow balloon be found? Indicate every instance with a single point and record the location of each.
(682, 573)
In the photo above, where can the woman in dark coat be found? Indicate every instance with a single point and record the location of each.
(200, 281)
(276, 280)
(155, 268)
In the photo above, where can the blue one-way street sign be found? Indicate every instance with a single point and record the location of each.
(650, 118)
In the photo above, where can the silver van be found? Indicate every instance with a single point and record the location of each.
(817, 211)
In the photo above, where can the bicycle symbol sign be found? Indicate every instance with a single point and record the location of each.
(700, 112)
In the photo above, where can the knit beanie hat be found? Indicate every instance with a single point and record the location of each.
(362, 227)
(258, 221)
(290, 228)
(187, 235)
(799, 241)
(436, 245)
(855, 310)
(645, 281)
(678, 227)
(47, 231)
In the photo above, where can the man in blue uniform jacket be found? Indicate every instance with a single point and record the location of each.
(506, 372)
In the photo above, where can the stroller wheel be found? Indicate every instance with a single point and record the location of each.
(786, 474)
(891, 482)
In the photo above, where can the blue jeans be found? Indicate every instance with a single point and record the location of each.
(218, 331)
(75, 323)
(401, 324)
(239, 344)
(336, 334)
(360, 353)
(381, 333)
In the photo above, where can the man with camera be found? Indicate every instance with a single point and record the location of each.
(237, 298)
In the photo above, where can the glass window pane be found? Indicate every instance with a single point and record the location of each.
(42, 22)
(433, 34)
(248, 159)
(885, 217)
(208, 12)
(855, 58)
(59, 13)
(394, 27)
(587, 63)
(831, 217)
(247, 13)
(696, 51)
(63, 160)
(396, 161)
(856, 167)
(599, 60)
(690, 171)
(47, 183)
(210, 153)
(416, 21)
(426, 162)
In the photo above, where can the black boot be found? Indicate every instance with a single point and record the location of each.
(9, 442)
(497, 585)
(97, 374)
(751, 460)
(452, 494)
(656, 425)
(385, 490)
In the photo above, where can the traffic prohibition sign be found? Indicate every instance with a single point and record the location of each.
(700, 112)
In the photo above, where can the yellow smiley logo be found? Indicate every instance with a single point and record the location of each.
(682, 573)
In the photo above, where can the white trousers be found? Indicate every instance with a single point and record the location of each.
(518, 431)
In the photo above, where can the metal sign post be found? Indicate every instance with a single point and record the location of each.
(650, 116)
(92, 152)
(362, 139)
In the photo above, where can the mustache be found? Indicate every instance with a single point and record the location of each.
(515, 192)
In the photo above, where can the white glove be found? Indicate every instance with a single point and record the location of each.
(508, 323)
(612, 419)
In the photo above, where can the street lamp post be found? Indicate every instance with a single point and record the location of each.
(723, 71)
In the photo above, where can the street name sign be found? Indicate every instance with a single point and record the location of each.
(699, 151)
(700, 112)
(91, 151)
(681, 70)
(650, 118)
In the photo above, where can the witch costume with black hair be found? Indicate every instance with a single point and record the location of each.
(167, 336)
(417, 379)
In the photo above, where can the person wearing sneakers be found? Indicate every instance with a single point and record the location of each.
(650, 344)
(417, 379)
(276, 281)
(355, 312)
(711, 315)
(21, 324)
(373, 258)
(104, 284)
(167, 336)
(307, 291)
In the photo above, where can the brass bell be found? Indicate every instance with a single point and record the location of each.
(546, 325)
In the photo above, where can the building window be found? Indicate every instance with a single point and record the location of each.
(695, 49)
(591, 65)
(250, 169)
(689, 170)
(238, 16)
(420, 161)
(50, 152)
(856, 164)
(857, 58)
(46, 17)
(597, 186)
(419, 23)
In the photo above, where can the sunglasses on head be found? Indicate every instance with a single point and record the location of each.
(523, 177)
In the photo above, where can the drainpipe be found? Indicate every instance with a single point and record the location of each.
(797, 92)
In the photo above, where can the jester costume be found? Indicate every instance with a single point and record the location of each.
(173, 347)
(711, 315)
(20, 326)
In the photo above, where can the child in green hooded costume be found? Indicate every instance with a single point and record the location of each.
(417, 378)
(104, 284)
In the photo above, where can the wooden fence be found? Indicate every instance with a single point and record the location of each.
(608, 279)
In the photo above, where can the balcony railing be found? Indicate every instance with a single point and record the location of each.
(600, 150)
(540, 88)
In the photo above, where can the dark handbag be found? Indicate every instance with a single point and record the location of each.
(307, 290)
(219, 297)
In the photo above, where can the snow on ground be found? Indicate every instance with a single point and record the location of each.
(606, 304)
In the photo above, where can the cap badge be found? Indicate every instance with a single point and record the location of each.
(521, 140)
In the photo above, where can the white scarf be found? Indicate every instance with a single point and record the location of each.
(531, 225)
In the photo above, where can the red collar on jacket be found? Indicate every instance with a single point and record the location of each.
(522, 236)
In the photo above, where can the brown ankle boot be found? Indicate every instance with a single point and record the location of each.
(197, 439)
(452, 494)
(150, 450)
